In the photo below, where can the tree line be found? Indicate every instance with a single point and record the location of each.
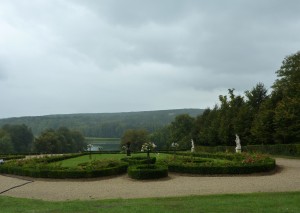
(258, 116)
(105, 125)
(19, 139)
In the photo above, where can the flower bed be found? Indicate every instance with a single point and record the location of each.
(143, 172)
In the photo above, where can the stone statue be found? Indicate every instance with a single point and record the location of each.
(238, 147)
(193, 146)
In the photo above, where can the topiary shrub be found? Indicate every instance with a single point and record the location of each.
(139, 160)
(143, 172)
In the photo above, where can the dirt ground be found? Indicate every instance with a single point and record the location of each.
(286, 178)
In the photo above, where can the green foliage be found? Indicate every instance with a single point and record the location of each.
(181, 130)
(6, 145)
(11, 157)
(15, 139)
(142, 172)
(162, 138)
(276, 149)
(46, 168)
(136, 138)
(287, 110)
(278, 202)
(139, 160)
(61, 141)
(105, 125)
(222, 164)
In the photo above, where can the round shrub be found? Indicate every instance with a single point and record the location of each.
(143, 172)
(139, 160)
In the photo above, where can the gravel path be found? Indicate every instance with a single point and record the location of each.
(286, 179)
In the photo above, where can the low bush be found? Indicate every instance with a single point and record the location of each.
(275, 149)
(11, 157)
(139, 160)
(143, 172)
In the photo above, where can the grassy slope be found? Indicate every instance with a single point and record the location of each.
(258, 202)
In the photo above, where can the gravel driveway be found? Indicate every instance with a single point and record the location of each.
(287, 178)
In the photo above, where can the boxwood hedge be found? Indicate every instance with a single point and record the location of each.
(233, 164)
(142, 172)
(139, 160)
(40, 168)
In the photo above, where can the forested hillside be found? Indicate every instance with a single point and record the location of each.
(102, 124)
(257, 116)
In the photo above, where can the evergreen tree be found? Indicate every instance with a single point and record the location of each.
(287, 110)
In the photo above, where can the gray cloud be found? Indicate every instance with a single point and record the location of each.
(65, 56)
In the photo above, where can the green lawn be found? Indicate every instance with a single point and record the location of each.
(257, 202)
(73, 162)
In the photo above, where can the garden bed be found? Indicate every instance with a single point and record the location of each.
(221, 163)
(46, 168)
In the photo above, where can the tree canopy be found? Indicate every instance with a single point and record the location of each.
(257, 116)
(62, 140)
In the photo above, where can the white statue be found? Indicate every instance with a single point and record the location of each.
(238, 147)
(193, 146)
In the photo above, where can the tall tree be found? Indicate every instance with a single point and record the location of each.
(181, 130)
(21, 137)
(136, 138)
(162, 138)
(61, 141)
(256, 96)
(287, 111)
(6, 145)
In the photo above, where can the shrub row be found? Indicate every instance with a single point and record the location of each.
(139, 160)
(11, 157)
(143, 172)
(43, 171)
(226, 156)
(51, 159)
(266, 165)
(277, 149)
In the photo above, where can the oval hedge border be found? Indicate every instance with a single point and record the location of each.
(63, 173)
(144, 172)
(237, 165)
(40, 169)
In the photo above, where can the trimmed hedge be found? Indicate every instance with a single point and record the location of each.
(143, 172)
(221, 169)
(277, 149)
(40, 168)
(139, 160)
(63, 173)
(234, 164)
(11, 157)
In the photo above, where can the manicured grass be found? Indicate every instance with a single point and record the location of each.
(73, 162)
(288, 202)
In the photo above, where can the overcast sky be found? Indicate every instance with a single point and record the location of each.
(84, 56)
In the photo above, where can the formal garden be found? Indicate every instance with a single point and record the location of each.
(138, 165)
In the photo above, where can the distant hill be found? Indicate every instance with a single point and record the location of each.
(106, 125)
